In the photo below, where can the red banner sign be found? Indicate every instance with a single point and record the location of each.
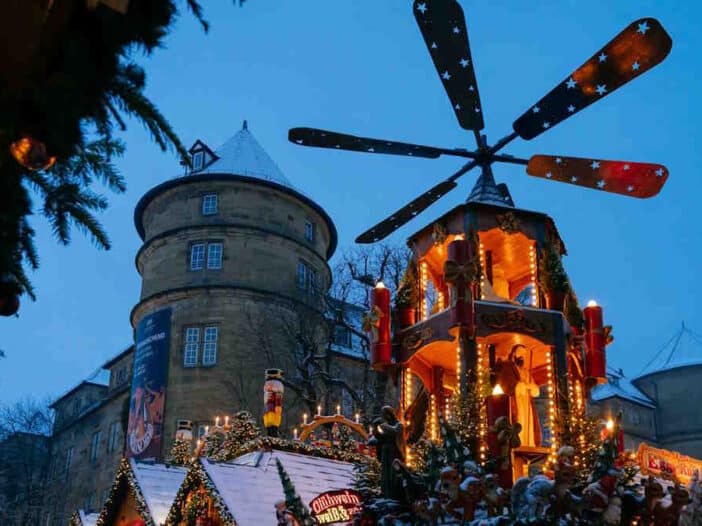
(336, 506)
(667, 464)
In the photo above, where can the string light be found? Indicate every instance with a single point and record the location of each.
(532, 272)
(482, 425)
(440, 300)
(433, 417)
(551, 408)
(423, 275)
(483, 271)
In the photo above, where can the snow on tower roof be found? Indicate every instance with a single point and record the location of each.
(243, 155)
(250, 485)
(618, 386)
(684, 348)
(158, 484)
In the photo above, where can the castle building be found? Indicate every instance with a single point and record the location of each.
(659, 406)
(231, 254)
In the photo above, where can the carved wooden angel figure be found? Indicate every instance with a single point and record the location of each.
(371, 322)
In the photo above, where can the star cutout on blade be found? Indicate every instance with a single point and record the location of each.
(433, 45)
(573, 179)
(629, 188)
(635, 66)
(559, 160)
(471, 88)
(643, 27)
(626, 167)
(600, 184)
(456, 30)
(422, 8)
(659, 172)
(549, 175)
(457, 107)
(571, 108)
(601, 89)
(570, 83)
(595, 165)
(602, 57)
(546, 125)
(445, 75)
(536, 109)
(464, 62)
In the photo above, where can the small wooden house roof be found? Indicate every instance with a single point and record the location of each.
(153, 487)
(247, 488)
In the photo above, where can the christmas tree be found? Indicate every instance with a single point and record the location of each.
(181, 453)
(293, 501)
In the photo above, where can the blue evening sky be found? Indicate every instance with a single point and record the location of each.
(361, 67)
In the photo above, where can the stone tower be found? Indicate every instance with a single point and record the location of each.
(228, 250)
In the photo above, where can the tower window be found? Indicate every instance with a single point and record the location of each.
(192, 343)
(198, 160)
(196, 347)
(113, 437)
(309, 230)
(214, 256)
(209, 204)
(197, 256)
(306, 277)
(209, 349)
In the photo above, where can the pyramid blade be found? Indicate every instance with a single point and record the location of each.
(619, 177)
(344, 141)
(443, 27)
(406, 213)
(641, 46)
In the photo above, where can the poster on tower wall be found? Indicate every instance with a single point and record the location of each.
(146, 404)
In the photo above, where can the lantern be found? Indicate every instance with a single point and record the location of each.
(596, 338)
(31, 154)
(184, 431)
(378, 323)
(460, 273)
(273, 401)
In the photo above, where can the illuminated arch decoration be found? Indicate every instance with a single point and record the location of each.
(320, 420)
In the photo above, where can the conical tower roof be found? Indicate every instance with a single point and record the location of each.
(487, 192)
(683, 349)
(243, 155)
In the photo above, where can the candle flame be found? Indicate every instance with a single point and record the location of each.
(380, 285)
(592, 303)
(610, 424)
(497, 390)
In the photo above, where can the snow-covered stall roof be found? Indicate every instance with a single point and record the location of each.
(154, 486)
(250, 485)
(159, 484)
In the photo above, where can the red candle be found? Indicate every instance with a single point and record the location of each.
(459, 276)
(596, 363)
(381, 344)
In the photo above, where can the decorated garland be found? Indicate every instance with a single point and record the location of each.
(125, 480)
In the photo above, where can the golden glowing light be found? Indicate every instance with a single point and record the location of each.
(380, 285)
(592, 303)
(610, 425)
(497, 390)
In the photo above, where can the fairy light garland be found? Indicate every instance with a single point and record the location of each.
(532, 275)
(423, 277)
(482, 413)
(482, 271)
(109, 509)
(433, 416)
(551, 409)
